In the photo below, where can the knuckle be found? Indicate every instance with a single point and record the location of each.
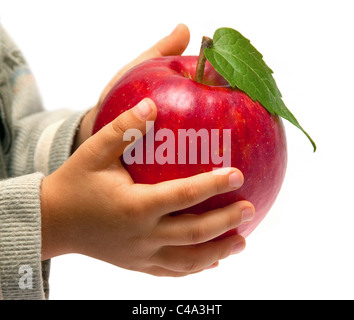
(219, 185)
(92, 150)
(143, 200)
(197, 234)
(229, 222)
(119, 125)
(137, 207)
(188, 193)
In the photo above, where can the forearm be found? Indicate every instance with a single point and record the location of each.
(56, 220)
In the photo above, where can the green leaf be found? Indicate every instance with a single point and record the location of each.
(233, 56)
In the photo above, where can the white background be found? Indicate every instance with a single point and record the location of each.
(304, 247)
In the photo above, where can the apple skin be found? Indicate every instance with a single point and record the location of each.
(258, 141)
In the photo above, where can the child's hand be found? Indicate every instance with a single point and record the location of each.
(173, 44)
(90, 205)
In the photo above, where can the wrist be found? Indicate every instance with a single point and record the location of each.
(56, 233)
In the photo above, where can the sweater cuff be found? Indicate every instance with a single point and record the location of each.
(20, 239)
(55, 143)
(63, 141)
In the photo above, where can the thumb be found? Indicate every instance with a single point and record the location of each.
(172, 45)
(108, 144)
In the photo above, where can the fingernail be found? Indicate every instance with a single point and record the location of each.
(142, 109)
(235, 180)
(238, 247)
(247, 215)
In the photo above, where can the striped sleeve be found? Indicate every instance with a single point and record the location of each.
(20, 244)
(33, 144)
(43, 141)
(43, 144)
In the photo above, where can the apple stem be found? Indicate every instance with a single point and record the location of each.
(199, 73)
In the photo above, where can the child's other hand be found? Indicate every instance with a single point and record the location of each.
(90, 205)
(173, 44)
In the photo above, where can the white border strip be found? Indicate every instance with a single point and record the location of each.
(44, 144)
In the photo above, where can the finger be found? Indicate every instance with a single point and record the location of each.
(188, 229)
(174, 195)
(193, 258)
(163, 272)
(108, 144)
(173, 44)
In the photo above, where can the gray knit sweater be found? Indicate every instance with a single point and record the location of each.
(33, 144)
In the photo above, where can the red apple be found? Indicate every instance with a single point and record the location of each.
(258, 142)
